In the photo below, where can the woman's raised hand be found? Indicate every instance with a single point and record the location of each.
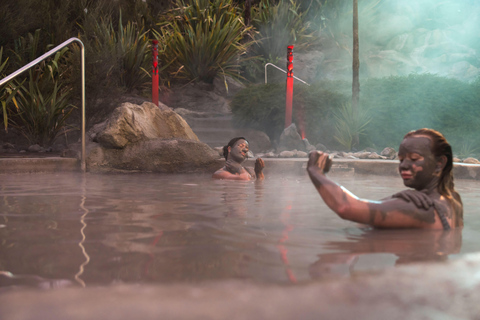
(319, 161)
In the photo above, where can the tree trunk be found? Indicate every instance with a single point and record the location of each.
(356, 59)
(355, 67)
(246, 16)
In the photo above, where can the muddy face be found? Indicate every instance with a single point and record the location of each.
(239, 151)
(418, 166)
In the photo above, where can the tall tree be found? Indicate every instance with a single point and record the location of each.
(355, 66)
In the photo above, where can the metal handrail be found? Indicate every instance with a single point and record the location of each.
(43, 57)
(271, 64)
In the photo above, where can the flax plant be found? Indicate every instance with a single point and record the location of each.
(37, 106)
(122, 54)
(202, 39)
(133, 47)
(41, 116)
(350, 124)
(6, 93)
(279, 25)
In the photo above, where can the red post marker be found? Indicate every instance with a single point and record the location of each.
(155, 72)
(288, 107)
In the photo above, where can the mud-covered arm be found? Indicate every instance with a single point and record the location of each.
(391, 213)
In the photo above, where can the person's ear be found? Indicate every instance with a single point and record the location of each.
(441, 163)
(229, 149)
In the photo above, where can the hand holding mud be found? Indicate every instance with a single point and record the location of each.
(319, 160)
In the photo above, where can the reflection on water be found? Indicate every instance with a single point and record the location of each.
(83, 230)
(407, 246)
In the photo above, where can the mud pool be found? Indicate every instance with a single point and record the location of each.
(75, 230)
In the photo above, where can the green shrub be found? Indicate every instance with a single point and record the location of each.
(35, 103)
(122, 53)
(202, 38)
(6, 91)
(41, 116)
(401, 104)
(262, 107)
(39, 106)
(117, 57)
(350, 125)
(278, 25)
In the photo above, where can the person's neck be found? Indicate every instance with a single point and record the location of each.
(233, 166)
(432, 187)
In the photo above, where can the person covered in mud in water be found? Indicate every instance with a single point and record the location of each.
(235, 153)
(426, 163)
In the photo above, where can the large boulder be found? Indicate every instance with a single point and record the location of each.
(158, 155)
(131, 123)
(147, 138)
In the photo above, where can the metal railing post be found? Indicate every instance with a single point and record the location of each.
(271, 64)
(43, 57)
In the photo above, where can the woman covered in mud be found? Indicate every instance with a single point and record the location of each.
(426, 163)
(235, 153)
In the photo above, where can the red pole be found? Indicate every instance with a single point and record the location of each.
(155, 72)
(288, 107)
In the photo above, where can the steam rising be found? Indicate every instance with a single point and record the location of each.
(399, 37)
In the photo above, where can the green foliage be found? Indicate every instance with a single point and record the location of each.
(262, 107)
(122, 54)
(278, 25)
(61, 20)
(401, 104)
(116, 57)
(467, 148)
(203, 38)
(41, 116)
(133, 47)
(33, 108)
(6, 93)
(39, 109)
(350, 124)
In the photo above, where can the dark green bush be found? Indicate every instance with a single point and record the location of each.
(396, 105)
(401, 104)
(201, 39)
(278, 24)
(262, 107)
